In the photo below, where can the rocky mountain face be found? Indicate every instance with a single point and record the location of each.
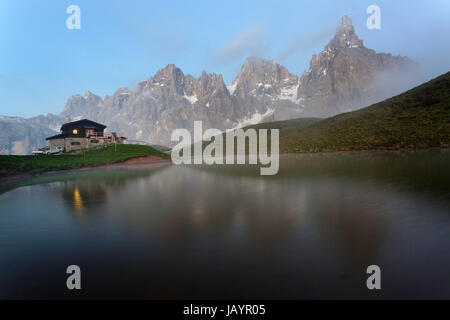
(88, 106)
(265, 90)
(344, 76)
(167, 101)
(19, 136)
(171, 100)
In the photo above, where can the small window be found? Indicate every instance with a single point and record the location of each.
(75, 131)
(75, 143)
(94, 141)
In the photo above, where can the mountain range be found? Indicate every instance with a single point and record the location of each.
(345, 76)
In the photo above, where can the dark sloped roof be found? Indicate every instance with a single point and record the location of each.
(58, 136)
(85, 122)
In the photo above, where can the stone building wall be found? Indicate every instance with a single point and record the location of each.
(57, 143)
(71, 144)
(75, 144)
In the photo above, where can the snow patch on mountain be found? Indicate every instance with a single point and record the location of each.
(253, 119)
(55, 128)
(192, 99)
(232, 87)
(290, 93)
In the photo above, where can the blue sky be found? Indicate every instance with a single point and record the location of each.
(121, 43)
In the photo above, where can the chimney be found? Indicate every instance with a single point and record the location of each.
(67, 119)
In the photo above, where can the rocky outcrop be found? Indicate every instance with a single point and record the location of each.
(170, 99)
(347, 76)
(265, 90)
(20, 136)
(87, 105)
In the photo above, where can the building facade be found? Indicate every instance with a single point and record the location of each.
(83, 134)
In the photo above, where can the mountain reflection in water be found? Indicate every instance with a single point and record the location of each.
(227, 232)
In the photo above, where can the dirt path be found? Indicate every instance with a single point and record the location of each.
(144, 160)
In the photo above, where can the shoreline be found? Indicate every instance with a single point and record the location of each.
(138, 160)
(134, 163)
(9, 180)
(370, 151)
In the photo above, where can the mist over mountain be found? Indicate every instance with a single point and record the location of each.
(344, 76)
(347, 76)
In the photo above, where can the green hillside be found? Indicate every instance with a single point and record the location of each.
(10, 165)
(418, 118)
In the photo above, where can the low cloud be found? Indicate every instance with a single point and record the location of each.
(248, 43)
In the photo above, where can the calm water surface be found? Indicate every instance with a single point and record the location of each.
(225, 232)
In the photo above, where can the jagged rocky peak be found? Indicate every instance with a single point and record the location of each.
(170, 76)
(93, 98)
(210, 83)
(345, 35)
(347, 76)
(263, 76)
(344, 39)
(73, 104)
(172, 84)
(88, 94)
(122, 91)
(169, 73)
(190, 84)
(86, 105)
(261, 69)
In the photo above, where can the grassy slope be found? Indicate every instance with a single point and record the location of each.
(160, 148)
(10, 165)
(285, 127)
(288, 126)
(418, 118)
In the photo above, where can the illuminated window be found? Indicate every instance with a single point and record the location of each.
(75, 131)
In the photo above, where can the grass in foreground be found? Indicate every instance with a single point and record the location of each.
(11, 165)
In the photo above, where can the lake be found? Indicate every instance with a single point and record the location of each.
(196, 232)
